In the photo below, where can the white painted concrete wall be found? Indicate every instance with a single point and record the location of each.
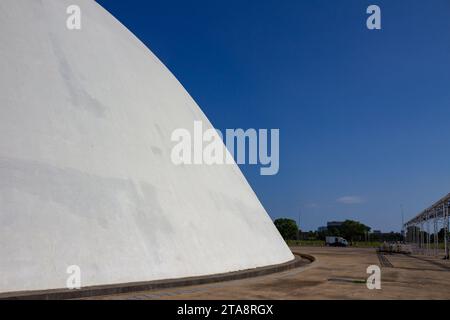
(85, 170)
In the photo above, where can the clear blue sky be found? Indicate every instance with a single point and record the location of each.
(362, 114)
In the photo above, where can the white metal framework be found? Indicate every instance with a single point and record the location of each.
(418, 230)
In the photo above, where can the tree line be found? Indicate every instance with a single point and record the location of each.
(350, 230)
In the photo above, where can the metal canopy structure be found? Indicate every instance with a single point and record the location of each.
(438, 210)
(418, 229)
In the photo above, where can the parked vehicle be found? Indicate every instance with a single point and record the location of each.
(336, 242)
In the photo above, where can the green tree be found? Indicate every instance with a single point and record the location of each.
(353, 230)
(287, 228)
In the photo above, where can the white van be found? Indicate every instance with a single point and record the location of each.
(336, 242)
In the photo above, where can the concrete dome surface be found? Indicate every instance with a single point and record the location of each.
(86, 176)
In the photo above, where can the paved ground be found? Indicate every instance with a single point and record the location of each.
(338, 273)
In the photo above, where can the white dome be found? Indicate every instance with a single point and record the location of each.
(86, 176)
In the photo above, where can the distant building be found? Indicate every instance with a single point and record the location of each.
(377, 235)
(334, 224)
(330, 225)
